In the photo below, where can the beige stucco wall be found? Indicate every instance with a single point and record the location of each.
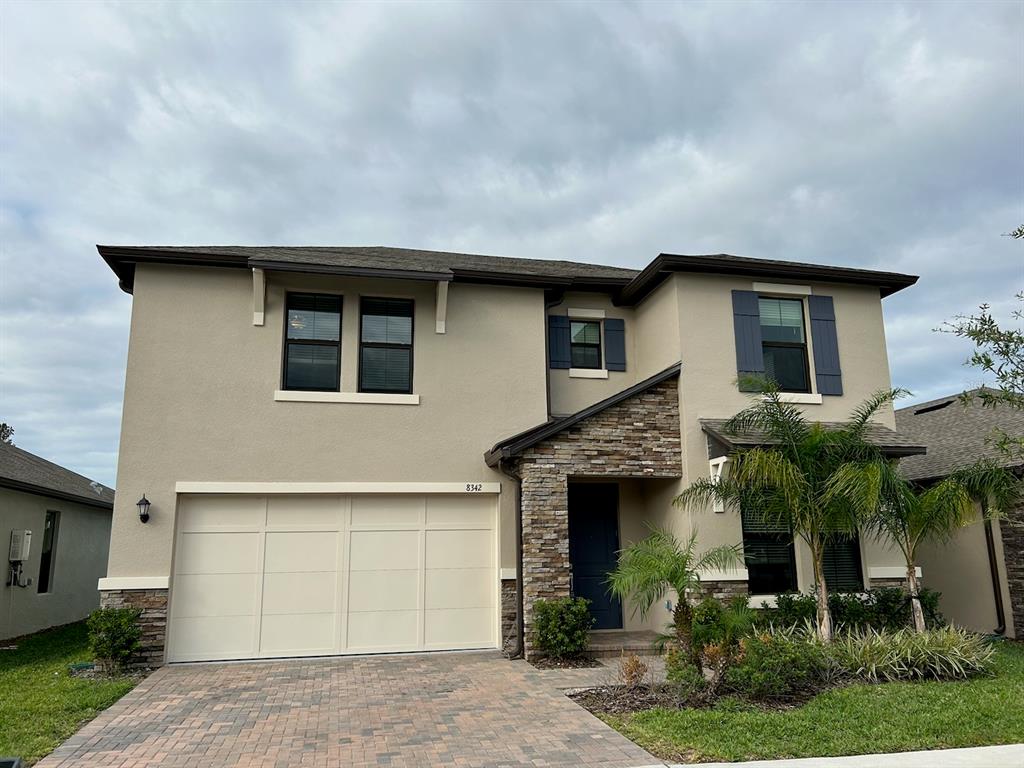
(80, 558)
(959, 569)
(199, 396)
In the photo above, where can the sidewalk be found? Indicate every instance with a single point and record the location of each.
(1009, 756)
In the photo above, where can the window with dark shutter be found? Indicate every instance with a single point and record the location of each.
(841, 562)
(784, 343)
(312, 348)
(385, 345)
(769, 555)
(585, 343)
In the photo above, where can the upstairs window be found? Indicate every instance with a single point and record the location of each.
(769, 555)
(585, 343)
(385, 346)
(48, 553)
(784, 343)
(312, 356)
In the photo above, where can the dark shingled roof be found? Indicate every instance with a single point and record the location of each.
(627, 286)
(24, 471)
(892, 443)
(956, 434)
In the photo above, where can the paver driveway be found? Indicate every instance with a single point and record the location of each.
(462, 709)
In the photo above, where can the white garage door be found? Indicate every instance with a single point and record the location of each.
(264, 576)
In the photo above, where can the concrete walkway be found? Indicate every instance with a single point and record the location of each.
(1010, 756)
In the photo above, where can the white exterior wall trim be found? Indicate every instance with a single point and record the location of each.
(588, 373)
(134, 582)
(296, 396)
(890, 572)
(737, 574)
(586, 314)
(284, 487)
(800, 397)
(795, 290)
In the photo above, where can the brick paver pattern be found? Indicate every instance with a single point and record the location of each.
(457, 709)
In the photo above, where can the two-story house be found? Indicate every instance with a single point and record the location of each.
(355, 450)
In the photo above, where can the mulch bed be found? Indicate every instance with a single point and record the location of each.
(621, 699)
(547, 662)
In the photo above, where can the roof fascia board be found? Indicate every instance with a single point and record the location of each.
(327, 269)
(38, 490)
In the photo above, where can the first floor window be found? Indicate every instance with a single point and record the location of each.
(48, 552)
(842, 565)
(312, 348)
(385, 345)
(585, 343)
(784, 343)
(769, 555)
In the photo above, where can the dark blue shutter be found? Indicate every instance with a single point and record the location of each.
(746, 316)
(827, 373)
(615, 344)
(559, 355)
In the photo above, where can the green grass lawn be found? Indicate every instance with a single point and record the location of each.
(859, 719)
(40, 703)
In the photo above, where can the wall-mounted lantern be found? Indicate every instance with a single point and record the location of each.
(143, 505)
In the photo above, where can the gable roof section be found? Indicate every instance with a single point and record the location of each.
(956, 434)
(627, 286)
(24, 471)
(891, 443)
(513, 446)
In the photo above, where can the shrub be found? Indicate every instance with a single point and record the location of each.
(940, 654)
(561, 627)
(114, 636)
(777, 665)
(886, 608)
(681, 673)
(633, 671)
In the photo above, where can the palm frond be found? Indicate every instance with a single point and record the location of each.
(863, 413)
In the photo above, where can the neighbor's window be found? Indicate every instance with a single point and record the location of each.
(768, 552)
(385, 346)
(585, 343)
(842, 565)
(48, 553)
(784, 343)
(312, 350)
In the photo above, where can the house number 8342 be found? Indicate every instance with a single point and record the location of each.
(474, 487)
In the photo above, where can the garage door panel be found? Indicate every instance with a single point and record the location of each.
(219, 553)
(459, 588)
(390, 630)
(371, 511)
(301, 551)
(284, 511)
(217, 594)
(460, 549)
(199, 513)
(459, 627)
(297, 632)
(458, 509)
(383, 590)
(213, 637)
(384, 550)
(302, 592)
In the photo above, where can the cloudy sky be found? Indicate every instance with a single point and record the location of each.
(871, 134)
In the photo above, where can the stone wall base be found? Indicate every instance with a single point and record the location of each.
(153, 621)
(1011, 527)
(508, 615)
(723, 591)
(887, 583)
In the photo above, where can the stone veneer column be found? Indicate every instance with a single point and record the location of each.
(1011, 527)
(509, 610)
(153, 603)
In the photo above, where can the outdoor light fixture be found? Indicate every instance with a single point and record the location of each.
(143, 505)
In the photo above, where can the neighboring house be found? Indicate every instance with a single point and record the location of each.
(980, 572)
(52, 580)
(353, 450)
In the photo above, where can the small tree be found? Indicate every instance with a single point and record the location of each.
(908, 515)
(660, 563)
(788, 478)
(6, 433)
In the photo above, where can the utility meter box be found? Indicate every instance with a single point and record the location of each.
(21, 545)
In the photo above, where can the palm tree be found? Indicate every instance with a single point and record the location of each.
(658, 563)
(787, 479)
(908, 515)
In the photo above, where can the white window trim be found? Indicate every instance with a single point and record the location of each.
(588, 373)
(284, 487)
(507, 574)
(804, 398)
(733, 574)
(783, 288)
(378, 398)
(134, 582)
(586, 314)
(890, 572)
(763, 601)
(717, 468)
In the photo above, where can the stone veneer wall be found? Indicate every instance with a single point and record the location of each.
(1011, 526)
(897, 583)
(508, 614)
(639, 437)
(720, 590)
(153, 620)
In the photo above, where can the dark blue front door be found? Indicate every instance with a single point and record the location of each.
(593, 548)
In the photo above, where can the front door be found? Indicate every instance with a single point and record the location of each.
(593, 548)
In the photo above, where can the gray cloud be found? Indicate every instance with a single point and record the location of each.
(873, 135)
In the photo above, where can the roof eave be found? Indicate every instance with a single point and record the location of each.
(39, 490)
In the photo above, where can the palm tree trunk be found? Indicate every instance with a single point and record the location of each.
(915, 598)
(821, 591)
(682, 621)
